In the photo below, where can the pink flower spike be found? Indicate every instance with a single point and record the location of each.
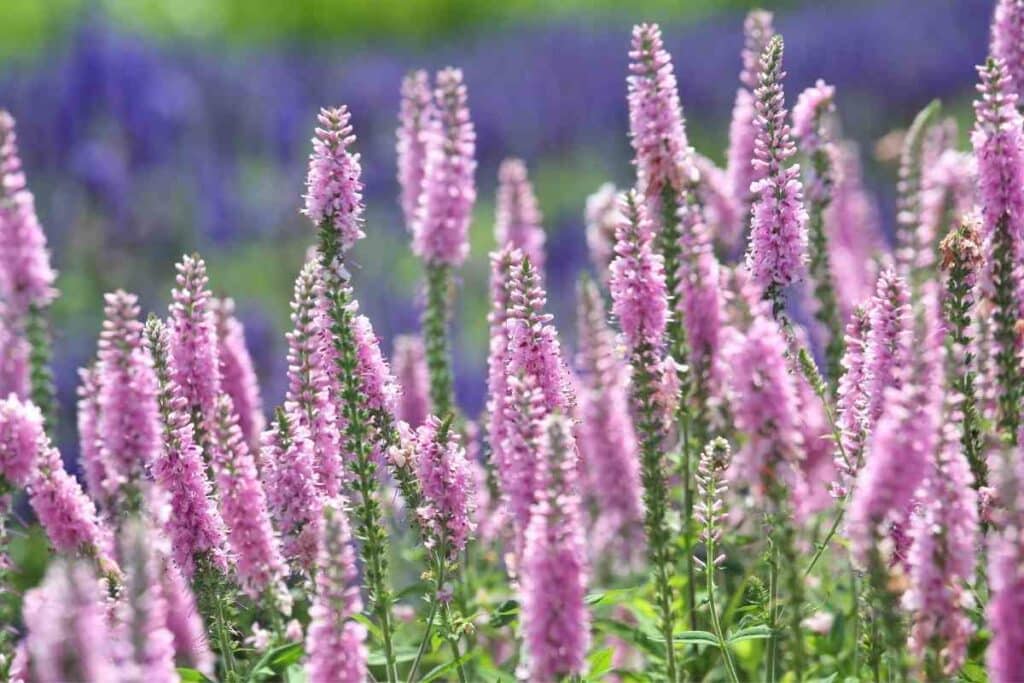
(380, 389)
(502, 263)
(602, 217)
(639, 298)
(656, 127)
(518, 220)
(1008, 40)
(194, 359)
(334, 190)
(556, 622)
(414, 120)
(441, 229)
(14, 352)
(447, 484)
(336, 643)
(292, 491)
(184, 620)
(757, 31)
(887, 350)
(410, 365)
(128, 426)
(778, 237)
(21, 434)
(88, 416)
(238, 377)
(524, 413)
(26, 277)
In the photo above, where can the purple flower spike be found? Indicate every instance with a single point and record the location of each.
(757, 31)
(194, 360)
(334, 191)
(410, 363)
(778, 238)
(238, 377)
(518, 220)
(447, 483)
(1008, 40)
(441, 230)
(292, 490)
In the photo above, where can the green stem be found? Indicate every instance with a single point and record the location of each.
(435, 337)
(773, 596)
(709, 571)
(435, 601)
(41, 388)
(1005, 318)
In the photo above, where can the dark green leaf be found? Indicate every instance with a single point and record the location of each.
(504, 614)
(759, 632)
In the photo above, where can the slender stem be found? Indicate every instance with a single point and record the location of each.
(773, 594)
(710, 564)
(828, 537)
(223, 637)
(43, 392)
(691, 574)
(435, 322)
(438, 585)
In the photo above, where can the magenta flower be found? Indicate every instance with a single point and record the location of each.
(194, 525)
(336, 643)
(14, 352)
(502, 263)
(334, 191)
(945, 535)
(1008, 40)
(722, 212)
(778, 238)
(147, 643)
(68, 637)
(414, 119)
(700, 297)
(1006, 578)
(607, 441)
(88, 417)
(238, 377)
(757, 31)
(852, 403)
(26, 277)
(765, 405)
(811, 105)
(194, 360)
(21, 436)
(947, 197)
(518, 220)
(516, 468)
(410, 364)
(129, 424)
(887, 349)
(292, 493)
(308, 399)
(447, 484)
(441, 229)
(556, 623)
(243, 505)
(183, 620)
(379, 387)
(656, 127)
(639, 298)
(602, 217)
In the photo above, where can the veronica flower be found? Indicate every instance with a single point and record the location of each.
(14, 355)
(334, 196)
(778, 241)
(243, 505)
(607, 441)
(699, 298)
(183, 619)
(918, 145)
(945, 534)
(722, 212)
(639, 297)
(410, 365)
(602, 217)
(446, 482)
(440, 232)
(26, 277)
(128, 426)
(336, 642)
(148, 645)
(194, 527)
(88, 416)
(68, 637)
(998, 140)
(238, 377)
(524, 413)
(656, 127)
(502, 263)
(1005, 654)
(757, 31)
(947, 196)
(380, 390)
(414, 119)
(852, 402)
(554, 572)
(887, 347)
(518, 219)
(308, 398)
(194, 360)
(1008, 40)
(292, 493)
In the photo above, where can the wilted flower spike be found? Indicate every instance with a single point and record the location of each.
(414, 119)
(638, 280)
(447, 484)
(778, 240)
(336, 642)
(556, 622)
(410, 365)
(441, 229)
(194, 525)
(656, 126)
(26, 277)
(129, 428)
(243, 505)
(194, 360)
(518, 220)
(1008, 40)
(334, 189)
(238, 376)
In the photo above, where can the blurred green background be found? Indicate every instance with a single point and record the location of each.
(154, 128)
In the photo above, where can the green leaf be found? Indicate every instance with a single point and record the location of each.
(600, 663)
(285, 656)
(401, 656)
(594, 598)
(696, 638)
(504, 614)
(296, 673)
(192, 676)
(759, 632)
(442, 668)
